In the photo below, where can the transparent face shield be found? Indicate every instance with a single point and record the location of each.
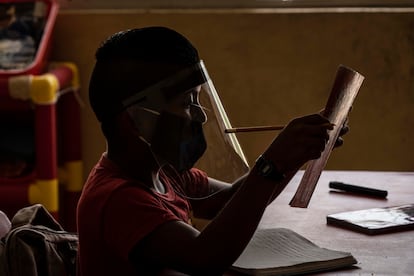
(170, 116)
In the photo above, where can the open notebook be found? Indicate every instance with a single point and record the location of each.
(280, 251)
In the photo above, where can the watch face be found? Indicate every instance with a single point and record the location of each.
(267, 169)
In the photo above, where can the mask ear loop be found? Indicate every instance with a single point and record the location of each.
(142, 138)
(150, 110)
(189, 197)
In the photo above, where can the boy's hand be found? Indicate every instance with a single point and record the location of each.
(344, 130)
(301, 140)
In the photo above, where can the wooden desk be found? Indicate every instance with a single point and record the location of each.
(385, 255)
(388, 254)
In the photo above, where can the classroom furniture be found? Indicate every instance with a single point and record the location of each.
(44, 97)
(56, 180)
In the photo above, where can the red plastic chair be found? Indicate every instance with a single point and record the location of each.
(48, 92)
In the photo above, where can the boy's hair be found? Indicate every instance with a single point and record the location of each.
(131, 60)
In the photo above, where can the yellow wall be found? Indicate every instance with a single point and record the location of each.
(271, 67)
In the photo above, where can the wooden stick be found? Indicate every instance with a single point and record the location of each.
(252, 129)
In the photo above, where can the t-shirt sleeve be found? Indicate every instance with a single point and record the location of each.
(195, 183)
(130, 215)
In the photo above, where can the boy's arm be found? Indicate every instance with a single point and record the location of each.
(179, 246)
(220, 193)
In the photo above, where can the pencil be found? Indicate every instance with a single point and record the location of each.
(252, 129)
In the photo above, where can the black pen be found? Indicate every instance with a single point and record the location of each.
(358, 189)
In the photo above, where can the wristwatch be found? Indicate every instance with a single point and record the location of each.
(267, 169)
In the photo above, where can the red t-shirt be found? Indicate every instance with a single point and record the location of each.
(115, 213)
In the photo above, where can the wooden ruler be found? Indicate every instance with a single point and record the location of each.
(345, 88)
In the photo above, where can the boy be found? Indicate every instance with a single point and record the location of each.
(134, 212)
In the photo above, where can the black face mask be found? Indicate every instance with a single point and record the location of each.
(178, 140)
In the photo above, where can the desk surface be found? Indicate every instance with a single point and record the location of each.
(387, 254)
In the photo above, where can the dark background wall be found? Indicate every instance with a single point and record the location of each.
(271, 66)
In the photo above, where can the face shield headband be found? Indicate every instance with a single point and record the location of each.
(158, 95)
(224, 158)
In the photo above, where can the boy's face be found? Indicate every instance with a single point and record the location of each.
(174, 132)
(188, 105)
(185, 105)
(168, 116)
